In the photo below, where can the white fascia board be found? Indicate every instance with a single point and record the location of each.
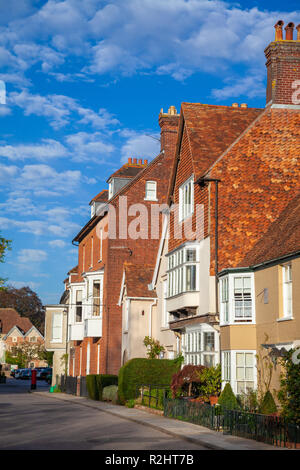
(159, 253)
(122, 290)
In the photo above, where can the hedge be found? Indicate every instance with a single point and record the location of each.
(96, 382)
(145, 371)
(110, 393)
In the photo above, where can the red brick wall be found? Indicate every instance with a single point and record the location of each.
(283, 64)
(116, 252)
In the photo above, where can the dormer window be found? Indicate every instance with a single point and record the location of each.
(150, 191)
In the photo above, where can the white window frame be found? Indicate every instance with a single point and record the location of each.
(230, 318)
(58, 339)
(286, 287)
(233, 365)
(193, 345)
(186, 210)
(147, 196)
(101, 244)
(178, 267)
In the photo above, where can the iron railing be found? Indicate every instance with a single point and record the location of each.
(272, 430)
(152, 395)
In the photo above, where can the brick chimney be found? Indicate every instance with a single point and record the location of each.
(283, 67)
(168, 124)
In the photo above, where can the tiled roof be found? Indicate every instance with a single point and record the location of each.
(101, 197)
(281, 239)
(9, 318)
(137, 279)
(129, 170)
(212, 129)
(259, 178)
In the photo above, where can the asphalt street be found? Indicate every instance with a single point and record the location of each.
(35, 422)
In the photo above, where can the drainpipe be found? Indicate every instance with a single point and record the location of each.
(150, 317)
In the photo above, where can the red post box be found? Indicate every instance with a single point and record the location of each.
(33, 379)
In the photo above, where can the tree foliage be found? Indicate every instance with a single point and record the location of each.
(25, 302)
(210, 381)
(187, 380)
(154, 347)
(228, 399)
(289, 393)
(24, 353)
(268, 405)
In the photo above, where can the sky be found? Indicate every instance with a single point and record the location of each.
(81, 88)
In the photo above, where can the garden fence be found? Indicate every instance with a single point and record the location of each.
(272, 430)
(68, 384)
(152, 395)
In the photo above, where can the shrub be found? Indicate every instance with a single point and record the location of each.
(91, 385)
(268, 405)
(105, 380)
(145, 371)
(95, 384)
(210, 381)
(228, 399)
(289, 395)
(110, 393)
(186, 380)
(130, 403)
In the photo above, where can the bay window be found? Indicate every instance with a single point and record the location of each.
(182, 272)
(78, 306)
(57, 327)
(199, 347)
(96, 299)
(244, 372)
(236, 298)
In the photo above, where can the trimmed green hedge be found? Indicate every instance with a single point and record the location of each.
(145, 371)
(95, 384)
(110, 393)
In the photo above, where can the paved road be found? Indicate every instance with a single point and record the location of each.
(36, 422)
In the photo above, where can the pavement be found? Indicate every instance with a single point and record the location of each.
(203, 437)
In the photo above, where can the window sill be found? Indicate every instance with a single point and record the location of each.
(285, 319)
(147, 199)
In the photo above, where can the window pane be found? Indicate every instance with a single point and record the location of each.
(240, 373)
(249, 359)
(209, 341)
(191, 254)
(191, 278)
(240, 359)
(249, 373)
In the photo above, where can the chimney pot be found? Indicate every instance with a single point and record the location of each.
(298, 32)
(134, 160)
(244, 105)
(235, 105)
(129, 160)
(140, 161)
(278, 30)
(289, 32)
(145, 162)
(172, 110)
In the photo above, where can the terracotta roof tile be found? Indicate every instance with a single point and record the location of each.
(9, 318)
(129, 170)
(281, 239)
(137, 279)
(101, 197)
(212, 129)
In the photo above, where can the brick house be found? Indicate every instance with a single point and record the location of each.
(240, 166)
(94, 316)
(15, 331)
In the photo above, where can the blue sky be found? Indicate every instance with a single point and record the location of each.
(85, 82)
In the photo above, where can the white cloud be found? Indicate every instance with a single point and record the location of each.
(251, 86)
(7, 173)
(20, 284)
(57, 244)
(140, 145)
(47, 149)
(89, 147)
(31, 256)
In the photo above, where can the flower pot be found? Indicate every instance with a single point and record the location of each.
(213, 400)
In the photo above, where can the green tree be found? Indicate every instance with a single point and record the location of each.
(268, 405)
(26, 352)
(26, 302)
(4, 246)
(154, 348)
(228, 399)
(289, 393)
